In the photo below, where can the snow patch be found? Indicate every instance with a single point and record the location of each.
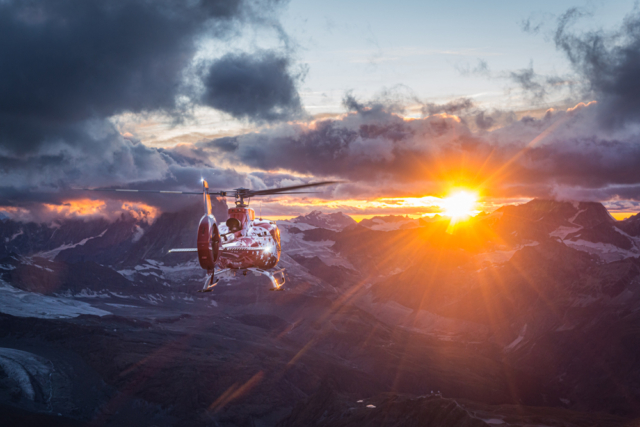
(294, 244)
(564, 231)
(121, 305)
(51, 254)
(20, 303)
(88, 293)
(9, 239)
(137, 234)
(573, 218)
(605, 251)
(517, 341)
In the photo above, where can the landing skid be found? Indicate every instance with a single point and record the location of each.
(273, 277)
(276, 278)
(209, 283)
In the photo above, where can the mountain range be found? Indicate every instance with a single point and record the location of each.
(525, 316)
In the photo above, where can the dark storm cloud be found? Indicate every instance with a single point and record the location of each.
(606, 66)
(260, 87)
(364, 145)
(66, 61)
(589, 163)
(609, 62)
(69, 65)
(560, 154)
(53, 177)
(226, 144)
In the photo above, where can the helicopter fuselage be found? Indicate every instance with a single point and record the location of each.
(247, 242)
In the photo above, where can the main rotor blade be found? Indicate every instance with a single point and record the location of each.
(126, 190)
(285, 189)
(292, 192)
(230, 193)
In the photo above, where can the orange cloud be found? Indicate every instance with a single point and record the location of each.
(80, 207)
(581, 105)
(83, 209)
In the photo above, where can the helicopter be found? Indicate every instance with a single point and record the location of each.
(241, 244)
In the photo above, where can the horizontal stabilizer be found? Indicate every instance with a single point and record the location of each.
(183, 250)
(240, 248)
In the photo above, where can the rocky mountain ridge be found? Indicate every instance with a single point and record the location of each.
(533, 306)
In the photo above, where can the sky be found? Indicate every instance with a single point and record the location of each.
(422, 45)
(404, 103)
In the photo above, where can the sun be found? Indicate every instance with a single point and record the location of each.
(460, 204)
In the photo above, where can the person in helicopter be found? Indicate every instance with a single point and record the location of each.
(234, 225)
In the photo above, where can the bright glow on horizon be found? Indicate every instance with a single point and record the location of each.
(622, 215)
(460, 205)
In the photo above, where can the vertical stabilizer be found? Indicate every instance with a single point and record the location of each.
(206, 198)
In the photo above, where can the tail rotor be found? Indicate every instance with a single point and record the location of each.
(208, 240)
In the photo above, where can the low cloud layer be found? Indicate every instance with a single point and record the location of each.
(562, 153)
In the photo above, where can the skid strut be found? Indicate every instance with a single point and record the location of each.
(276, 277)
(210, 282)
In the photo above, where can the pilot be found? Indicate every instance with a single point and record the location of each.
(234, 225)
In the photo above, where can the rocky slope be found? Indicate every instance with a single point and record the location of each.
(527, 316)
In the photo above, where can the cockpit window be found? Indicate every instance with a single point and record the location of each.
(233, 224)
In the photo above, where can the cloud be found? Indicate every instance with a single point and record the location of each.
(360, 145)
(70, 65)
(383, 154)
(609, 63)
(43, 185)
(530, 83)
(456, 106)
(55, 132)
(69, 61)
(259, 87)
